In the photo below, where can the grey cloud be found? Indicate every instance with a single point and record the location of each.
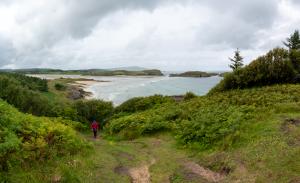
(237, 22)
(83, 16)
(77, 18)
(7, 52)
(296, 2)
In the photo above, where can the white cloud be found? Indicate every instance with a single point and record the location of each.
(170, 35)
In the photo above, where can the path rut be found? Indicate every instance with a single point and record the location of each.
(203, 172)
(141, 174)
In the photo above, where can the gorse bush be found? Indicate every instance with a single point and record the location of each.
(142, 103)
(273, 68)
(25, 138)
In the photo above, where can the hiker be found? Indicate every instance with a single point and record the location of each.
(95, 127)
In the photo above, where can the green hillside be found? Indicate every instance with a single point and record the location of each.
(255, 132)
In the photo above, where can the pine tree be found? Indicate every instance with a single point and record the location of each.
(293, 42)
(237, 61)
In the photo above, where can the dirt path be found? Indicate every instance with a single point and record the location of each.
(133, 161)
(203, 172)
(141, 174)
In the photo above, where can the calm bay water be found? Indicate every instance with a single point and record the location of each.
(121, 88)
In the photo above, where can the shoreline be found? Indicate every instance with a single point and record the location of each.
(80, 88)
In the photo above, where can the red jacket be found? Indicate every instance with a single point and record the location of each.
(94, 125)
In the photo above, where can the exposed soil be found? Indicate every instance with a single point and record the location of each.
(56, 178)
(195, 169)
(291, 121)
(125, 155)
(121, 170)
(288, 127)
(156, 143)
(140, 174)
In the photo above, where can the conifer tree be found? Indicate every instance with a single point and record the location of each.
(293, 44)
(237, 61)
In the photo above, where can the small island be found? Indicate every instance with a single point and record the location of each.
(196, 74)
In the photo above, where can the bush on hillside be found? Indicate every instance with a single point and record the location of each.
(25, 138)
(189, 96)
(33, 101)
(142, 103)
(60, 86)
(89, 110)
(32, 83)
(273, 68)
(36, 103)
(144, 122)
(23, 98)
(213, 126)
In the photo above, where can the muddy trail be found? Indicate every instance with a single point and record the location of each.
(152, 159)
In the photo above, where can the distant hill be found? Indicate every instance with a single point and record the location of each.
(91, 72)
(131, 68)
(194, 74)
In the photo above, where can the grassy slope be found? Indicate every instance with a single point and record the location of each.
(264, 148)
(61, 95)
(267, 148)
(108, 161)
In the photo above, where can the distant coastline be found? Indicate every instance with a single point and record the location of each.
(90, 72)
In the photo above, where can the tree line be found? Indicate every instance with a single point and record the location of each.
(278, 66)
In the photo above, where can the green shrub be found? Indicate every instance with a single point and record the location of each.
(142, 103)
(213, 126)
(146, 122)
(60, 86)
(33, 101)
(189, 96)
(33, 83)
(89, 110)
(23, 98)
(26, 138)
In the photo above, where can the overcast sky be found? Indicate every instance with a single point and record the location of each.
(163, 34)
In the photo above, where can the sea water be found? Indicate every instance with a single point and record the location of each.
(121, 88)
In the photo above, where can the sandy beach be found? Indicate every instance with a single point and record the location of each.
(86, 83)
